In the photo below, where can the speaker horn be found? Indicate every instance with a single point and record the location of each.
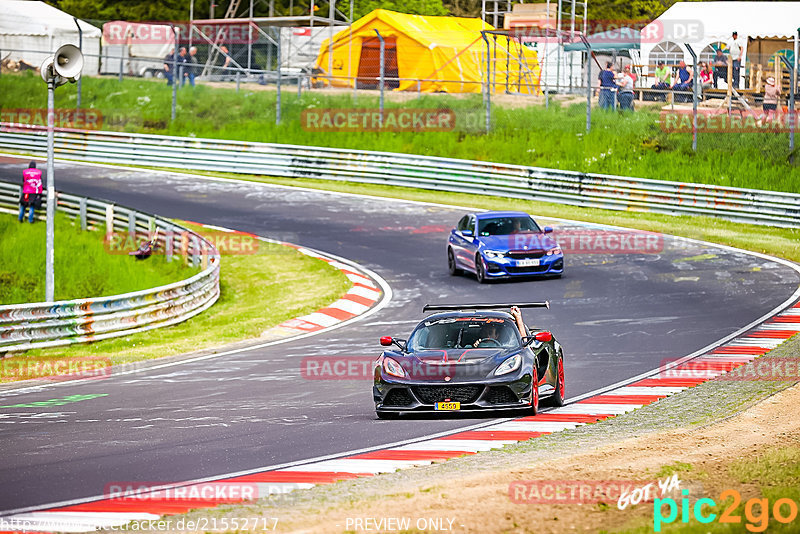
(46, 70)
(68, 62)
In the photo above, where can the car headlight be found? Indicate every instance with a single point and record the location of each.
(393, 368)
(554, 251)
(493, 254)
(511, 364)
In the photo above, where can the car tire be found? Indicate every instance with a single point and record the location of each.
(387, 415)
(451, 263)
(557, 399)
(534, 409)
(480, 274)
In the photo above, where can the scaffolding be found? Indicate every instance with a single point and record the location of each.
(262, 27)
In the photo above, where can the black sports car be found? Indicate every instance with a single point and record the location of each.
(472, 357)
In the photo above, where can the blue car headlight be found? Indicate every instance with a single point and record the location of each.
(511, 364)
(554, 251)
(492, 254)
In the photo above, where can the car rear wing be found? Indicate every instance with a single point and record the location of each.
(457, 307)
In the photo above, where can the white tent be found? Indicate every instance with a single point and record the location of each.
(705, 24)
(34, 30)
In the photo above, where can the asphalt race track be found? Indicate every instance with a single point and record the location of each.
(617, 315)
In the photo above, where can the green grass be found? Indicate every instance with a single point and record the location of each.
(258, 291)
(632, 145)
(83, 268)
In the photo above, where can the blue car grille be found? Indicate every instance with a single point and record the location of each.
(525, 254)
(465, 394)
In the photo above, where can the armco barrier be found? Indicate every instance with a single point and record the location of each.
(426, 172)
(36, 325)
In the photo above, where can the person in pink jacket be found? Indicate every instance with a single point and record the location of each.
(31, 196)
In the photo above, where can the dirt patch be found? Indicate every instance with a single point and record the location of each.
(481, 502)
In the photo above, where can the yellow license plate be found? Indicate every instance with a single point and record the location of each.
(448, 406)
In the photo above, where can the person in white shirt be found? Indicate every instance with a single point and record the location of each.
(625, 83)
(737, 52)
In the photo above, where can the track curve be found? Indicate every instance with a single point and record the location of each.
(617, 315)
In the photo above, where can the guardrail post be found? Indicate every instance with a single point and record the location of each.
(82, 213)
(109, 219)
(185, 246)
(204, 252)
(169, 243)
(195, 251)
(132, 225)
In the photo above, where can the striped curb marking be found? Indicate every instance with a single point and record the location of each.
(151, 505)
(364, 294)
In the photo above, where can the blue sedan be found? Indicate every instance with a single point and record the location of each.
(498, 244)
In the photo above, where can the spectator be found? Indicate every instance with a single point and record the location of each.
(225, 58)
(706, 76)
(31, 196)
(771, 95)
(663, 76)
(191, 66)
(625, 84)
(683, 82)
(607, 87)
(720, 66)
(737, 52)
(181, 65)
(168, 59)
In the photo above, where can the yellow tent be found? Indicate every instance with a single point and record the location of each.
(432, 54)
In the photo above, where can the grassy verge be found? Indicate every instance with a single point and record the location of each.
(257, 291)
(83, 267)
(523, 132)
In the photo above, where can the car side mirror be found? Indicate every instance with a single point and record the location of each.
(466, 233)
(548, 229)
(388, 341)
(544, 337)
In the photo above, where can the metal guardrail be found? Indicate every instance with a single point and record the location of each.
(39, 325)
(426, 172)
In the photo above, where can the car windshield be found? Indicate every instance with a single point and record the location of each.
(464, 332)
(507, 225)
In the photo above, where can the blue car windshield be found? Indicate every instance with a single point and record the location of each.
(506, 225)
(465, 332)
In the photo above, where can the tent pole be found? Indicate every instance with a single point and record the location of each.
(382, 67)
(80, 47)
(508, 58)
(487, 100)
(350, 55)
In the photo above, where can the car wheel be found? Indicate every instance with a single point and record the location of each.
(535, 394)
(451, 263)
(148, 74)
(558, 396)
(387, 415)
(480, 274)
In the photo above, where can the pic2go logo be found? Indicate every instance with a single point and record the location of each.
(756, 511)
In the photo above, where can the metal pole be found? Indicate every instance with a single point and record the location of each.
(588, 90)
(508, 58)
(350, 55)
(696, 87)
(278, 100)
(191, 21)
(121, 59)
(250, 39)
(50, 280)
(175, 79)
(331, 15)
(382, 67)
(487, 100)
(793, 90)
(80, 47)
(299, 86)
